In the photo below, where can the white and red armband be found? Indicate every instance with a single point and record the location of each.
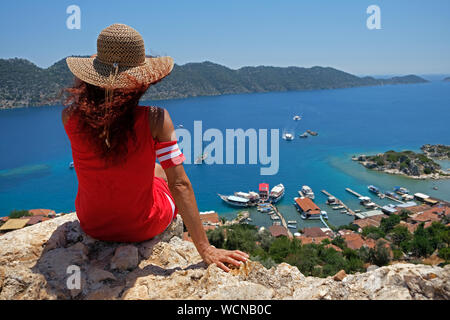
(168, 154)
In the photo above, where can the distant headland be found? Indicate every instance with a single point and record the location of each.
(22, 83)
(409, 163)
(446, 79)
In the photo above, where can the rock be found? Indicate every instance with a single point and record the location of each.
(125, 258)
(34, 264)
(372, 267)
(339, 276)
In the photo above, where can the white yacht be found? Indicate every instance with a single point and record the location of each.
(288, 136)
(297, 117)
(307, 192)
(276, 193)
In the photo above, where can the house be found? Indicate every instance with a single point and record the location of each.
(210, 218)
(428, 217)
(35, 219)
(313, 232)
(367, 214)
(307, 207)
(309, 240)
(14, 224)
(277, 231)
(353, 240)
(371, 221)
(42, 212)
(411, 227)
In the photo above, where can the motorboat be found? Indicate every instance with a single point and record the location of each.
(331, 200)
(313, 133)
(288, 136)
(297, 118)
(71, 165)
(304, 135)
(324, 214)
(373, 189)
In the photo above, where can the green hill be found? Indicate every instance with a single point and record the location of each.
(24, 84)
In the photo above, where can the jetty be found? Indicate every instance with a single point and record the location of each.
(359, 195)
(393, 199)
(283, 222)
(340, 202)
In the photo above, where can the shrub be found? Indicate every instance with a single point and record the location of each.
(14, 214)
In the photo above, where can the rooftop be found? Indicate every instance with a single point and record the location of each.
(314, 232)
(14, 224)
(307, 205)
(277, 231)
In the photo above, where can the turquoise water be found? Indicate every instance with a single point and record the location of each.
(35, 151)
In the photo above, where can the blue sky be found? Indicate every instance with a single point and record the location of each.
(414, 37)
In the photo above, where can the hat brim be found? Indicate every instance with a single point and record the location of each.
(94, 72)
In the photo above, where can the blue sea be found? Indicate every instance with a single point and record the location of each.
(35, 151)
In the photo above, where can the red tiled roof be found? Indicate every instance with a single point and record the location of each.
(362, 223)
(354, 241)
(411, 227)
(277, 231)
(308, 240)
(4, 219)
(425, 216)
(34, 219)
(307, 205)
(210, 217)
(41, 212)
(313, 232)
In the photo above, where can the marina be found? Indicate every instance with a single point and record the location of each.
(350, 211)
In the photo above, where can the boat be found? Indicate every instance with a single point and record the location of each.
(252, 196)
(292, 221)
(313, 133)
(303, 135)
(180, 126)
(338, 207)
(276, 223)
(274, 217)
(307, 192)
(348, 213)
(373, 189)
(381, 195)
(391, 194)
(296, 118)
(401, 190)
(357, 210)
(292, 226)
(201, 158)
(324, 214)
(249, 219)
(71, 165)
(235, 201)
(331, 200)
(288, 136)
(276, 193)
(344, 211)
(435, 188)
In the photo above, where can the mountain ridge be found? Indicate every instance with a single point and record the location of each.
(23, 83)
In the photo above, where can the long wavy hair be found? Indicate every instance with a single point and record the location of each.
(108, 123)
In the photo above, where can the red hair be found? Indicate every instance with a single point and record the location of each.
(107, 124)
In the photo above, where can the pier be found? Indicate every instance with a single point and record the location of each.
(393, 199)
(340, 202)
(359, 195)
(283, 222)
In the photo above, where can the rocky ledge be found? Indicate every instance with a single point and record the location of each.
(42, 261)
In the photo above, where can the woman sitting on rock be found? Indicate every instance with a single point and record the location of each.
(123, 195)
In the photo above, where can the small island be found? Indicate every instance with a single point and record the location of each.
(409, 163)
(446, 79)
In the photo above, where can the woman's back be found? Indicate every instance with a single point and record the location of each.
(115, 202)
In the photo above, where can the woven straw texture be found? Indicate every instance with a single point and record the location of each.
(120, 54)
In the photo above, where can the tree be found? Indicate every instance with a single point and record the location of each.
(388, 224)
(241, 237)
(400, 234)
(216, 237)
(380, 254)
(14, 214)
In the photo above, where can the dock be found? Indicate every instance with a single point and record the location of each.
(359, 195)
(393, 199)
(340, 202)
(283, 222)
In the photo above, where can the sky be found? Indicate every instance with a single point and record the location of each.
(413, 39)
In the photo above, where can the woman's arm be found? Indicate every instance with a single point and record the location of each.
(183, 193)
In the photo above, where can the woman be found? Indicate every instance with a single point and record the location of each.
(123, 195)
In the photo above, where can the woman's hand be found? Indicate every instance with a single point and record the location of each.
(222, 256)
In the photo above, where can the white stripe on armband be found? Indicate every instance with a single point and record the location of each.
(166, 149)
(170, 155)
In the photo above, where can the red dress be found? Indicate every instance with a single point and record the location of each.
(124, 203)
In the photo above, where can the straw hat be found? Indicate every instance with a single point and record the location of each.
(120, 52)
